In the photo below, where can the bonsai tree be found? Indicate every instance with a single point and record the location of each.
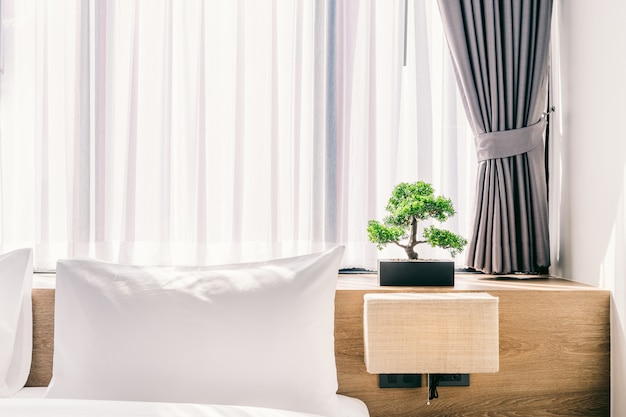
(408, 205)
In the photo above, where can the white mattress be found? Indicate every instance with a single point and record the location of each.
(29, 402)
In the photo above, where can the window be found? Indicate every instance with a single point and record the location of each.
(198, 132)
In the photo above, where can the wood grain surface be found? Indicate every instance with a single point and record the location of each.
(43, 337)
(554, 351)
(554, 355)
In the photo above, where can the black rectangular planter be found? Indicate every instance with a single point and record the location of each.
(393, 272)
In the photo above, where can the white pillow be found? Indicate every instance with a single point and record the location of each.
(259, 334)
(16, 320)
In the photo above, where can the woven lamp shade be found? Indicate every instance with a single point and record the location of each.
(437, 333)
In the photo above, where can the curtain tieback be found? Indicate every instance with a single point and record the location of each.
(493, 145)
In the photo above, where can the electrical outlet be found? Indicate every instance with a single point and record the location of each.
(399, 380)
(453, 380)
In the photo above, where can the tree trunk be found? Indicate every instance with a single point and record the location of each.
(410, 252)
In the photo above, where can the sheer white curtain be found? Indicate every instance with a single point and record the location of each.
(199, 132)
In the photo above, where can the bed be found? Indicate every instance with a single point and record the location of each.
(236, 340)
(30, 401)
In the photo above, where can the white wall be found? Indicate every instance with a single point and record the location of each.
(590, 170)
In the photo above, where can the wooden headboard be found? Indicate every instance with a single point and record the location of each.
(43, 337)
(554, 352)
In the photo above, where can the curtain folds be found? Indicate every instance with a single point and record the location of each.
(213, 131)
(500, 51)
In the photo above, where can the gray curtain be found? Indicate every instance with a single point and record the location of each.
(500, 52)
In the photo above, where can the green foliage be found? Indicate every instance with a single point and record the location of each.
(445, 239)
(409, 204)
(381, 235)
(417, 200)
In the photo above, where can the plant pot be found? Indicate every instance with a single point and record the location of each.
(404, 272)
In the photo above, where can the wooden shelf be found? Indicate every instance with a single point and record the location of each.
(554, 351)
(470, 282)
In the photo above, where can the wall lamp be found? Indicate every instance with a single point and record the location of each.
(431, 333)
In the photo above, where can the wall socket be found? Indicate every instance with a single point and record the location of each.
(415, 380)
(399, 380)
(453, 380)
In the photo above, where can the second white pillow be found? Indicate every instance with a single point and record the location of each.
(16, 319)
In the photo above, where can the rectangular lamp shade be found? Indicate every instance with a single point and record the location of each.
(437, 333)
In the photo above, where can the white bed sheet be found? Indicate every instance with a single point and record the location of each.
(30, 401)
(50, 407)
